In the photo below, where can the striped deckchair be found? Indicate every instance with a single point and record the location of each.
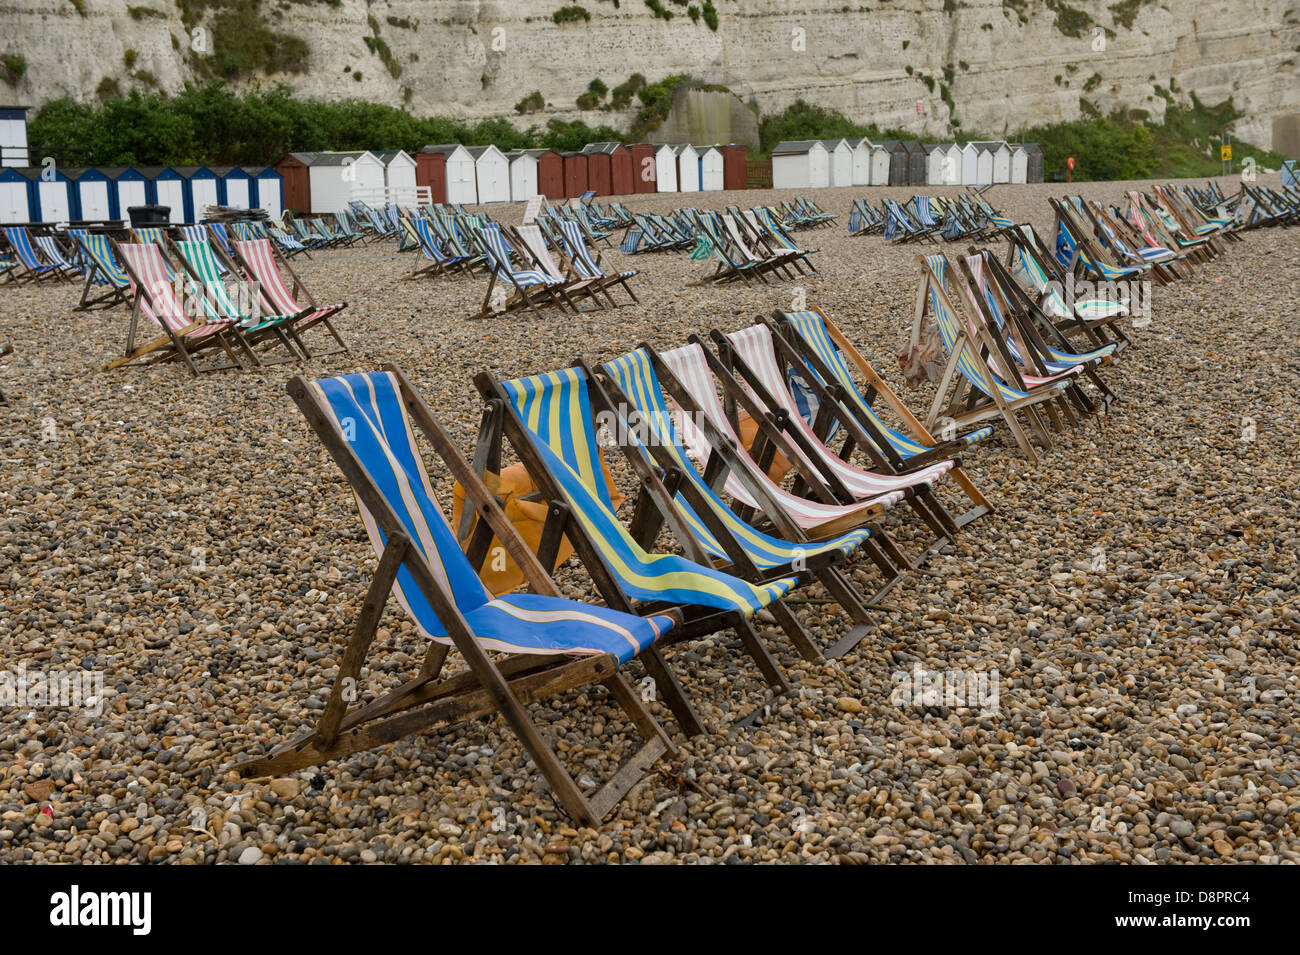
(437, 261)
(154, 296)
(1008, 311)
(763, 222)
(548, 644)
(631, 384)
(531, 287)
(529, 239)
(254, 326)
(30, 265)
(263, 266)
(288, 244)
(1075, 251)
(969, 390)
(729, 263)
(102, 272)
(750, 354)
(814, 344)
(698, 400)
(549, 421)
(586, 260)
(1096, 320)
(53, 252)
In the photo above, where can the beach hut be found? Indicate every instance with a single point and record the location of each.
(202, 190)
(622, 179)
(839, 161)
(800, 164)
(492, 173)
(236, 187)
(1019, 163)
(461, 172)
(1034, 162)
(665, 169)
(599, 173)
(735, 174)
(644, 178)
(983, 163)
(713, 176)
(550, 173)
(15, 195)
(55, 200)
(399, 176)
(688, 168)
(575, 174)
(267, 190)
(943, 165)
(880, 163)
(296, 178)
(13, 136)
(523, 174)
(93, 195)
(130, 187)
(431, 172)
(970, 165)
(916, 162)
(860, 165)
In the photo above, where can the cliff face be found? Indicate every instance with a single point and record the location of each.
(993, 65)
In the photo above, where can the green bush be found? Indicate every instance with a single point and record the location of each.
(534, 102)
(13, 66)
(570, 14)
(711, 15)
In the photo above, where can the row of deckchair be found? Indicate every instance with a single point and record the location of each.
(728, 462)
(964, 217)
(747, 248)
(1004, 357)
(224, 300)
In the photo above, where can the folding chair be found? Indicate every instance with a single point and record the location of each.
(155, 297)
(809, 340)
(549, 421)
(518, 649)
(586, 261)
(969, 390)
(35, 268)
(531, 287)
(262, 265)
(102, 271)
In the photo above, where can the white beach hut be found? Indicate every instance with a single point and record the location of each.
(665, 168)
(800, 164)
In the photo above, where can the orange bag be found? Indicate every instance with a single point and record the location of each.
(500, 573)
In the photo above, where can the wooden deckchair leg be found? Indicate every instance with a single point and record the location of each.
(363, 634)
(671, 691)
(793, 629)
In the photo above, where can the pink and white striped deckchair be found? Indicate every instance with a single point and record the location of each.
(154, 296)
(690, 366)
(753, 346)
(261, 264)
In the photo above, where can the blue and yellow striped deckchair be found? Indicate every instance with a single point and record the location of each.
(977, 393)
(101, 270)
(753, 554)
(553, 644)
(549, 421)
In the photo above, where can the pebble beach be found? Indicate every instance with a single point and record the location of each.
(1135, 597)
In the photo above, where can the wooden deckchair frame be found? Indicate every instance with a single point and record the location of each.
(501, 423)
(862, 432)
(112, 296)
(959, 399)
(171, 344)
(824, 567)
(430, 701)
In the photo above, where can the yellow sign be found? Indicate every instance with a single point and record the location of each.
(1225, 153)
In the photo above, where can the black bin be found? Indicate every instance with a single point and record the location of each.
(149, 215)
